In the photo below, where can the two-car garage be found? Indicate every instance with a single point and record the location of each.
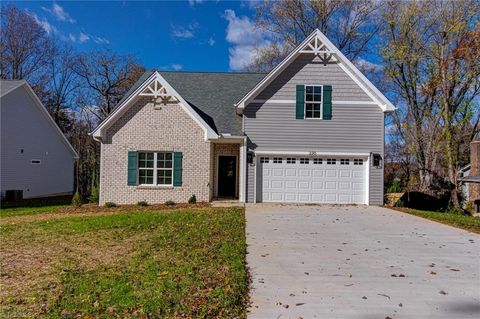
(312, 179)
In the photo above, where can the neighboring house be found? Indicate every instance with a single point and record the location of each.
(310, 131)
(469, 175)
(36, 158)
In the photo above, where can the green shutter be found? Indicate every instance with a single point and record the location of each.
(177, 168)
(327, 102)
(300, 110)
(132, 168)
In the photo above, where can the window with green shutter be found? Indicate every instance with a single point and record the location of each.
(132, 168)
(177, 168)
(327, 102)
(300, 105)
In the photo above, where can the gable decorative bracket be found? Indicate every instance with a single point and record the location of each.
(319, 49)
(156, 90)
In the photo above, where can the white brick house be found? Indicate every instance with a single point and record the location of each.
(310, 131)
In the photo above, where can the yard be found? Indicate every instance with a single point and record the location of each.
(123, 262)
(466, 222)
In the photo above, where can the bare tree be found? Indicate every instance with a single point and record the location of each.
(24, 45)
(431, 54)
(107, 76)
(455, 52)
(60, 91)
(349, 24)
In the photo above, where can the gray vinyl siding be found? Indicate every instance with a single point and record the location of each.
(353, 129)
(307, 70)
(24, 126)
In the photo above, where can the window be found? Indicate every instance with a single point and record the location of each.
(277, 160)
(358, 161)
(313, 102)
(304, 161)
(264, 159)
(344, 161)
(331, 161)
(155, 168)
(291, 160)
(317, 161)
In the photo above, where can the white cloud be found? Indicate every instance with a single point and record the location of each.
(194, 2)
(184, 33)
(211, 41)
(177, 67)
(365, 65)
(72, 38)
(59, 13)
(180, 32)
(174, 67)
(83, 37)
(43, 22)
(100, 40)
(244, 38)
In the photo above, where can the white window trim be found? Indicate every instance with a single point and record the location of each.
(312, 102)
(155, 169)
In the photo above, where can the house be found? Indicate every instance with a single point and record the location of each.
(310, 131)
(470, 175)
(36, 158)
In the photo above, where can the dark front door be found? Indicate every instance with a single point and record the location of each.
(227, 176)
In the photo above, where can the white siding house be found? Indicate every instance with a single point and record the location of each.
(35, 155)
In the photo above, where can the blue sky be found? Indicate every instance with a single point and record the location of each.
(190, 35)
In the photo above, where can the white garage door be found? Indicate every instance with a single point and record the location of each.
(329, 180)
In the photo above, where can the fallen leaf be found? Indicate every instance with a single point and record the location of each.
(299, 304)
(364, 297)
(442, 292)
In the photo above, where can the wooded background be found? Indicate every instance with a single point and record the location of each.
(426, 59)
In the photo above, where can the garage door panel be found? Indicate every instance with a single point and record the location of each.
(317, 172)
(304, 198)
(291, 184)
(290, 172)
(304, 172)
(344, 173)
(303, 184)
(358, 174)
(276, 184)
(313, 182)
(331, 198)
(331, 185)
(317, 185)
(344, 186)
(331, 173)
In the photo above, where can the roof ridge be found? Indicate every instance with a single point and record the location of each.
(213, 72)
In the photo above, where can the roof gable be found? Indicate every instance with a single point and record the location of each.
(10, 86)
(155, 86)
(319, 45)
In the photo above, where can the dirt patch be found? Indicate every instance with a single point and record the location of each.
(93, 209)
(27, 267)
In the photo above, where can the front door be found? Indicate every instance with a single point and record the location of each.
(227, 175)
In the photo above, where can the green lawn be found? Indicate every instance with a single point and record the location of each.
(466, 222)
(24, 211)
(183, 263)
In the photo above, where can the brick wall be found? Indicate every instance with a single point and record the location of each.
(225, 149)
(474, 188)
(145, 128)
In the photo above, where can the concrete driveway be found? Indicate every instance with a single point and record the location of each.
(359, 262)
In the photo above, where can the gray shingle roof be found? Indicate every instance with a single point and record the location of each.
(8, 85)
(211, 94)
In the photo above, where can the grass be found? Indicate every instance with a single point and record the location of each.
(466, 222)
(24, 211)
(182, 263)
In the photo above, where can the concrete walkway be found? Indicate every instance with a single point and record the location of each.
(359, 262)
